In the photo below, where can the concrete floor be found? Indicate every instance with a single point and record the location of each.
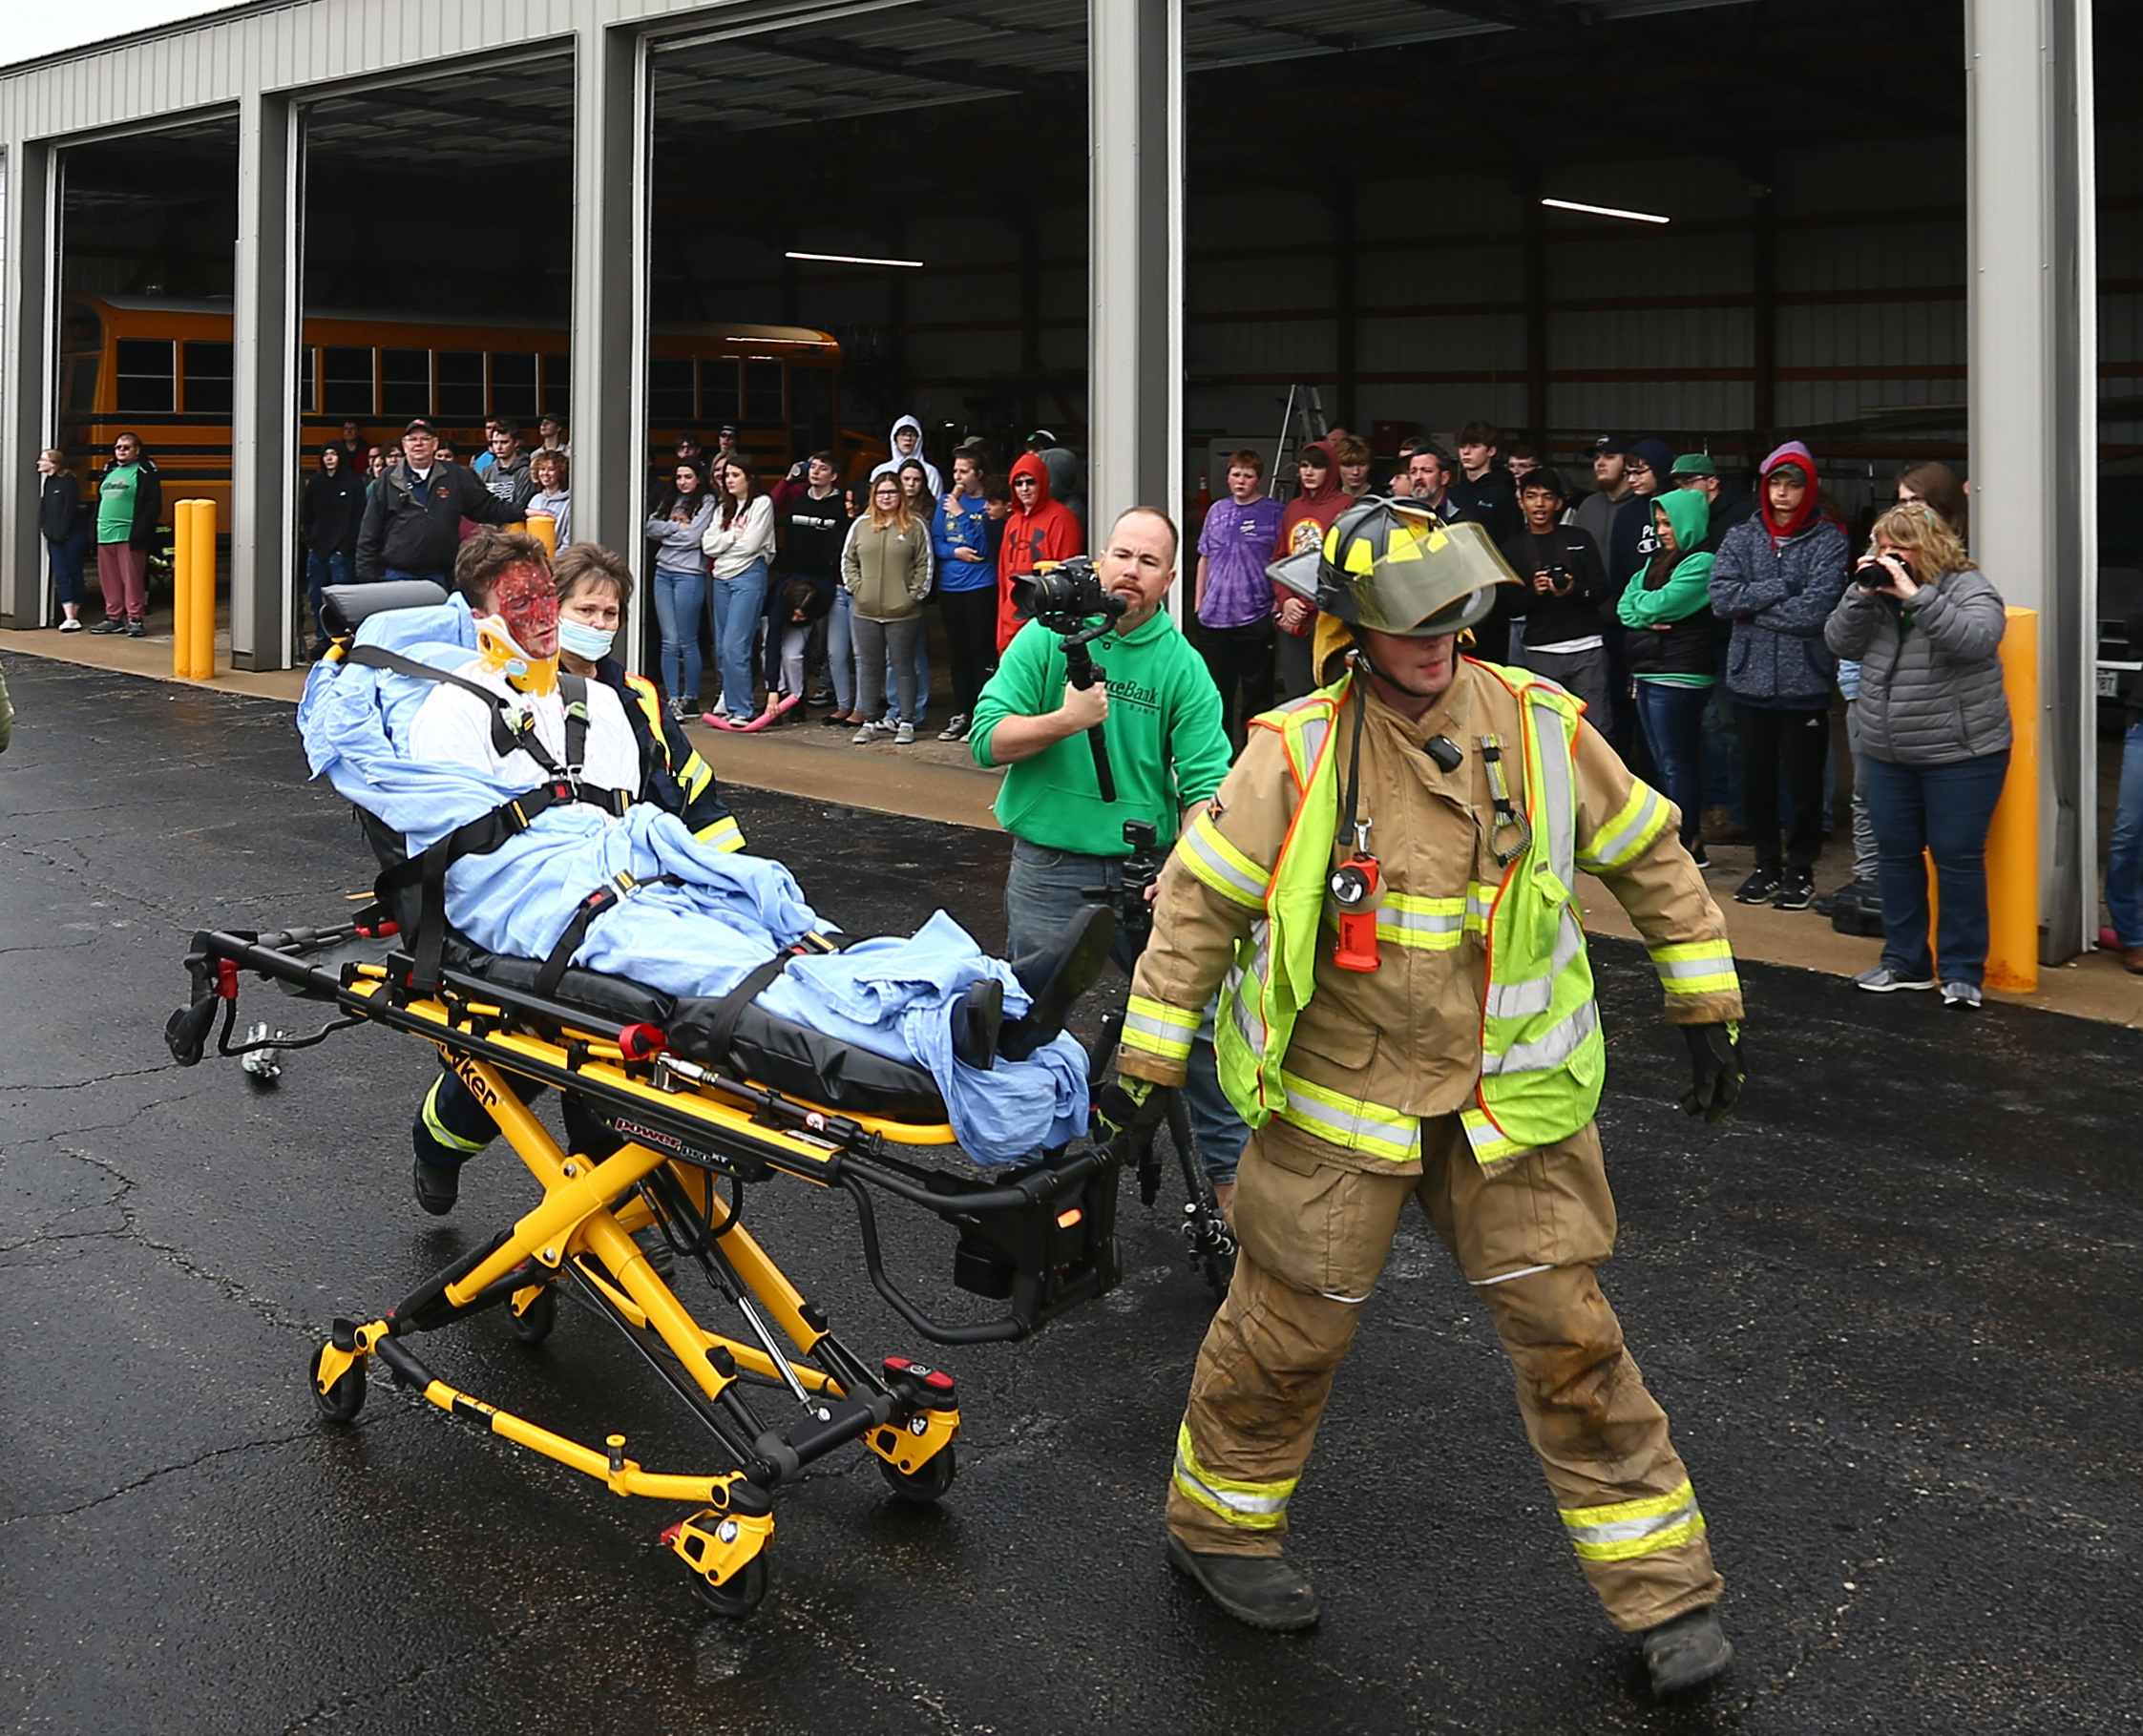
(1891, 1308)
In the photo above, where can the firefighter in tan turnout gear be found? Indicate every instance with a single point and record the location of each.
(1384, 893)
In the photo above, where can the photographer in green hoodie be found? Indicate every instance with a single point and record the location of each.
(1674, 649)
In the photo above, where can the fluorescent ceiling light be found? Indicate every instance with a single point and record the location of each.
(857, 259)
(1635, 216)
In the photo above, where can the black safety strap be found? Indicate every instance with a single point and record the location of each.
(479, 837)
(585, 912)
(721, 1027)
(510, 730)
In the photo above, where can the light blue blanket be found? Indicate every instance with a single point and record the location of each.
(735, 910)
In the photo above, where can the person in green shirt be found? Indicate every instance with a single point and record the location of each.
(1160, 714)
(129, 501)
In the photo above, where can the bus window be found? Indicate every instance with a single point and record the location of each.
(810, 401)
(763, 397)
(718, 391)
(669, 390)
(145, 374)
(461, 383)
(304, 379)
(208, 377)
(346, 380)
(81, 395)
(405, 383)
(557, 387)
(512, 385)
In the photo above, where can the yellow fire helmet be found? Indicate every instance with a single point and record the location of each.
(1395, 567)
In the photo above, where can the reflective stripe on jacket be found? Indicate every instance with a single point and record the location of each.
(1357, 1059)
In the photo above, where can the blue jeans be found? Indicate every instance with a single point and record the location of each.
(1042, 893)
(1944, 811)
(2124, 857)
(320, 571)
(678, 599)
(66, 566)
(1673, 719)
(738, 602)
(840, 648)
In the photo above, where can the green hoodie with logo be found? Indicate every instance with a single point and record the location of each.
(1166, 747)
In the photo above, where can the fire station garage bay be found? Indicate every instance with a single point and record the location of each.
(1162, 230)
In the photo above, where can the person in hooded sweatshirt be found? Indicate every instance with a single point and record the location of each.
(1039, 529)
(1777, 577)
(907, 441)
(1674, 652)
(1303, 524)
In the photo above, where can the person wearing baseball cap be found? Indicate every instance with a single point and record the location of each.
(412, 516)
(1596, 512)
(1730, 504)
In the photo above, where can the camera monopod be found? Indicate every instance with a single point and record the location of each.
(1083, 672)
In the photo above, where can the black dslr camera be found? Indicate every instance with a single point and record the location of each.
(1559, 580)
(1871, 574)
(1066, 597)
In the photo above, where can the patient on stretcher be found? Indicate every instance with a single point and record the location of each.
(443, 718)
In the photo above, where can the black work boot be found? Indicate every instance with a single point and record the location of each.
(437, 1188)
(1056, 977)
(1686, 1652)
(1263, 1591)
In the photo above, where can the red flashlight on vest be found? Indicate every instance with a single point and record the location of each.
(1352, 886)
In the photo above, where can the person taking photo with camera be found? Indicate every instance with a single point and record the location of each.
(1925, 626)
(1160, 717)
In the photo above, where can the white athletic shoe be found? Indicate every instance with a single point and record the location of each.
(869, 733)
(904, 735)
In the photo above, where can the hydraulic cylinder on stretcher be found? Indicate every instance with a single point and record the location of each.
(1041, 1239)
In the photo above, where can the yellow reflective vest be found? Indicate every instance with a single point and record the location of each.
(1543, 1056)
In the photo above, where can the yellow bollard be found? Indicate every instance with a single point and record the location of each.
(545, 530)
(2013, 841)
(203, 643)
(182, 587)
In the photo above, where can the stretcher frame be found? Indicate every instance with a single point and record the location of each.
(1040, 1239)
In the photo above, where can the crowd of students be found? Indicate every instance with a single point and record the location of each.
(1712, 629)
(814, 577)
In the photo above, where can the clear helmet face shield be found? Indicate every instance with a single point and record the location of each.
(1392, 567)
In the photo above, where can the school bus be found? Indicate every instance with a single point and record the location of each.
(162, 368)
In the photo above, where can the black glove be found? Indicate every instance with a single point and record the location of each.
(1125, 1106)
(1714, 1051)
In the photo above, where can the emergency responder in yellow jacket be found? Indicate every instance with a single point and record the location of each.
(1383, 891)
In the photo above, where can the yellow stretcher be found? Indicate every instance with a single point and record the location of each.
(1040, 1239)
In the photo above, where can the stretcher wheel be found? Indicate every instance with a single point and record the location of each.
(342, 1401)
(928, 1482)
(740, 1594)
(533, 1324)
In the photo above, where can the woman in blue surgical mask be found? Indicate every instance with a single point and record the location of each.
(594, 587)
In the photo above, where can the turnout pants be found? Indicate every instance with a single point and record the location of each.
(1316, 1224)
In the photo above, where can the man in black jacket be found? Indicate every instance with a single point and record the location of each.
(412, 517)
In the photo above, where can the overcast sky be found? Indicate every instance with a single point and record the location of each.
(34, 28)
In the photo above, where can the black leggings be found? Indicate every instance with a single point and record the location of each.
(1802, 740)
(1240, 661)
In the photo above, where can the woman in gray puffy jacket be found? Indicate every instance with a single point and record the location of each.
(1926, 628)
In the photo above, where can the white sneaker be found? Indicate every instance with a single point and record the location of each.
(74, 625)
(1964, 996)
(870, 732)
(904, 735)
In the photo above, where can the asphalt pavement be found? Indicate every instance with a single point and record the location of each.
(1893, 1309)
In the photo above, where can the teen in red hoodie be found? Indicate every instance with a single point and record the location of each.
(1038, 530)
(1308, 515)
